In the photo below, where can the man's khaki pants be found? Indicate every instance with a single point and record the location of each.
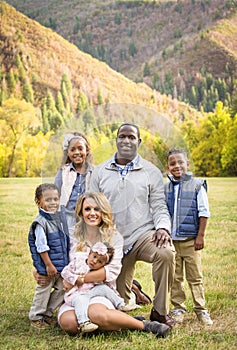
(163, 267)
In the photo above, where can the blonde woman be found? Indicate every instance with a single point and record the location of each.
(95, 224)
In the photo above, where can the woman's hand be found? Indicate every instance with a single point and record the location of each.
(67, 286)
(41, 280)
(80, 280)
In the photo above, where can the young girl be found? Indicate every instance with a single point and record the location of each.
(95, 224)
(81, 263)
(73, 177)
(49, 245)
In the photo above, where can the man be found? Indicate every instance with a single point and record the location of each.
(135, 190)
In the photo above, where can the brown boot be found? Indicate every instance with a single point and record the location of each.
(166, 319)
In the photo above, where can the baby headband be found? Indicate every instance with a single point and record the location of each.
(101, 249)
(68, 137)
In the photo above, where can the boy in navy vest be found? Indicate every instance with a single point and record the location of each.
(187, 202)
(49, 245)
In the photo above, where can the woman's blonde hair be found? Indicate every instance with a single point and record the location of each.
(107, 227)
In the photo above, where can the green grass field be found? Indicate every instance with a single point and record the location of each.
(17, 285)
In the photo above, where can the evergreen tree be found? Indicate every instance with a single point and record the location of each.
(76, 26)
(193, 97)
(50, 103)
(227, 101)
(55, 119)
(82, 103)
(156, 81)
(18, 61)
(11, 82)
(146, 70)
(59, 103)
(64, 93)
(209, 80)
(66, 80)
(168, 83)
(27, 92)
(3, 94)
(132, 50)
(221, 87)
(22, 74)
(52, 23)
(233, 106)
(67, 114)
(100, 98)
(101, 52)
(45, 127)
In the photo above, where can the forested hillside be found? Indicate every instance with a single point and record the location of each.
(48, 86)
(185, 48)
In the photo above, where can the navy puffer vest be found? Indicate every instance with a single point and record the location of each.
(55, 227)
(187, 221)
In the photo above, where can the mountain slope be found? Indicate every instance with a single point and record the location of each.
(149, 40)
(47, 56)
(152, 26)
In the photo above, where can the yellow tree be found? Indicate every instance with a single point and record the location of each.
(18, 118)
(229, 155)
(211, 133)
(33, 150)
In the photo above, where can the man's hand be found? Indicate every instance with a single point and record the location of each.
(161, 238)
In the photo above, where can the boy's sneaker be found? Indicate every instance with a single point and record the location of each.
(50, 320)
(40, 324)
(204, 318)
(178, 315)
(159, 329)
(87, 327)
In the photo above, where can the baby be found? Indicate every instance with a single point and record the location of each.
(100, 254)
